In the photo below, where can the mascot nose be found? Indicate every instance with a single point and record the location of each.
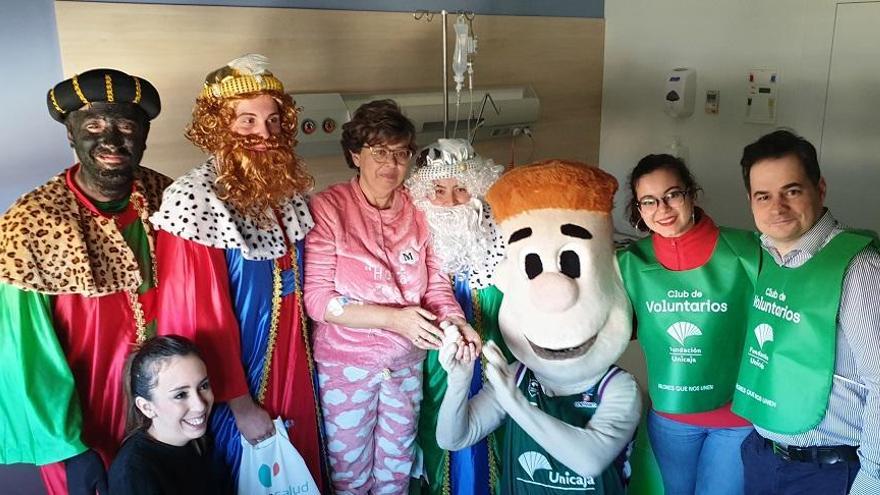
(553, 292)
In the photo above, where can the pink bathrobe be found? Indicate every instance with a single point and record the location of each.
(370, 376)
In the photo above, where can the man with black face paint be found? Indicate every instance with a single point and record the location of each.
(77, 280)
(109, 139)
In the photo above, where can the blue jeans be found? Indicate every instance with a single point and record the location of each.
(697, 460)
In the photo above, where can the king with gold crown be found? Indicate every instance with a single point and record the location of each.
(231, 245)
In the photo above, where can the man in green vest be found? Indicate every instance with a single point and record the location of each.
(809, 378)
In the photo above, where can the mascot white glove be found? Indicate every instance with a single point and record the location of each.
(456, 356)
(500, 376)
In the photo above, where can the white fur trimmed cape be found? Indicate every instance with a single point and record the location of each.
(191, 210)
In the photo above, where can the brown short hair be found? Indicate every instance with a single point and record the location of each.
(778, 144)
(376, 122)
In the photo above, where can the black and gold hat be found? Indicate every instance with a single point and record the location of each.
(102, 85)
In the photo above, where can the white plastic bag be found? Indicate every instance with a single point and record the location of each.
(274, 467)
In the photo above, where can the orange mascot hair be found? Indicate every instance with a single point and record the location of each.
(561, 184)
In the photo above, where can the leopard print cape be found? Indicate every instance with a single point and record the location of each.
(52, 243)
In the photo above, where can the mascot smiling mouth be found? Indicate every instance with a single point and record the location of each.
(561, 354)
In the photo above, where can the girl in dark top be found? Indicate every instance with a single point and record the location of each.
(169, 400)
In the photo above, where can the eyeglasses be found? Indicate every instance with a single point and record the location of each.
(384, 155)
(672, 199)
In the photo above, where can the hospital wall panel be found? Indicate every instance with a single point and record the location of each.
(311, 50)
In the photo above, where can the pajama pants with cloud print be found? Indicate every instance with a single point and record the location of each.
(371, 420)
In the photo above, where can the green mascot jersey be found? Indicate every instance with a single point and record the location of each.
(530, 470)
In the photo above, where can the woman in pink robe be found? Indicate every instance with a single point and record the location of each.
(377, 295)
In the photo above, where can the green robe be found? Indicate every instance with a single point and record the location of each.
(481, 308)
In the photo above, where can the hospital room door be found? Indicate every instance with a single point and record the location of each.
(850, 147)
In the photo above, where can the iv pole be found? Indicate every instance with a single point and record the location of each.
(444, 14)
(428, 16)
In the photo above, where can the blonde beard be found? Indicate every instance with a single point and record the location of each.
(255, 181)
(460, 239)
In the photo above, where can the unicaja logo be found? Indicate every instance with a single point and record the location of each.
(764, 334)
(533, 461)
(680, 331)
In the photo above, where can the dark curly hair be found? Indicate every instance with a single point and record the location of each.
(647, 165)
(373, 123)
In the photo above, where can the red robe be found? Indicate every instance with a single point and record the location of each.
(223, 303)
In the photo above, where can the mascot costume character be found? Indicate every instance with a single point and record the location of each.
(569, 413)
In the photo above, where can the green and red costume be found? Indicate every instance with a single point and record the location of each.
(77, 284)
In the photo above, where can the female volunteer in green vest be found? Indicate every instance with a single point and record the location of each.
(689, 283)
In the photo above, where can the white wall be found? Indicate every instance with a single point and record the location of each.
(722, 40)
(34, 146)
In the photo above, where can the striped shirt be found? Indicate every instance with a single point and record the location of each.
(853, 413)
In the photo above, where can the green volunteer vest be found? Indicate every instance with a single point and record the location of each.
(691, 323)
(788, 357)
(528, 469)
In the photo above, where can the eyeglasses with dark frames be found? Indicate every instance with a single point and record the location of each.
(672, 199)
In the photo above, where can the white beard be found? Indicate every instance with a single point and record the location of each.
(461, 239)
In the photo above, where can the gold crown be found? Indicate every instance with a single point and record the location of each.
(232, 86)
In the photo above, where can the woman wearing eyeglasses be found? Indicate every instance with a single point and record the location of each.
(690, 283)
(376, 293)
